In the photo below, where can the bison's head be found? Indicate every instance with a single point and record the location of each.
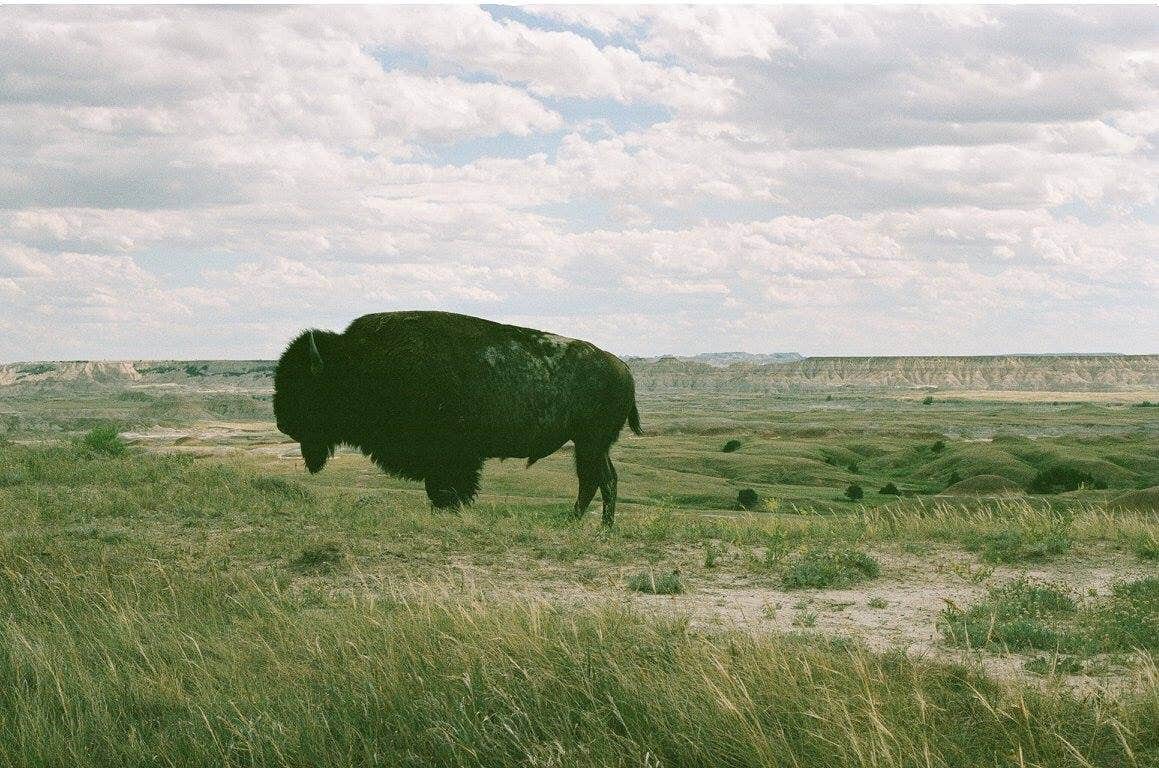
(304, 396)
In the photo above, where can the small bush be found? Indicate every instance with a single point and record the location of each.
(889, 489)
(877, 602)
(854, 492)
(104, 441)
(938, 446)
(1061, 478)
(819, 568)
(730, 446)
(651, 583)
(748, 499)
(928, 400)
(711, 553)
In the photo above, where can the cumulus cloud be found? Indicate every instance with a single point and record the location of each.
(205, 181)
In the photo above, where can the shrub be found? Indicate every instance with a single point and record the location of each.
(938, 446)
(819, 568)
(928, 400)
(104, 441)
(889, 489)
(730, 446)
(648, 582)
(854, 492)
(1060, 478)
(748, 499)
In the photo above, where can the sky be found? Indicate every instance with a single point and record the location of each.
(204, 182)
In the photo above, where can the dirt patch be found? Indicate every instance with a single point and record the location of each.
(897, 611)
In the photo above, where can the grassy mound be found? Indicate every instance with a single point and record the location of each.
(1145, 500)
(989, 485)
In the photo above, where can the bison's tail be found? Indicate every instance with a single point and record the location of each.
(634, 419)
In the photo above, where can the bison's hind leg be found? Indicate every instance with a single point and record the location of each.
(608, 485)
(594, 470)
(454, 484)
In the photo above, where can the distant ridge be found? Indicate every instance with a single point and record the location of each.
(725, 359)
(999, 372)
(786, 371)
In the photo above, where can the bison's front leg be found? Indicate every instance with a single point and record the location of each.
(454, 484)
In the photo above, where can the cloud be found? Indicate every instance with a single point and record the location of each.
(205, 181)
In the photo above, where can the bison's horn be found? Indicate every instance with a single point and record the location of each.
(315, 357)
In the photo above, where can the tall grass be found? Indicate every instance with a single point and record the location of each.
(170, 666)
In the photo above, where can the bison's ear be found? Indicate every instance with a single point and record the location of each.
(315, 455)
(315, 356)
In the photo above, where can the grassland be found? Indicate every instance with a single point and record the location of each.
(197, 599)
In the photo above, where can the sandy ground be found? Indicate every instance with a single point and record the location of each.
(915, 588)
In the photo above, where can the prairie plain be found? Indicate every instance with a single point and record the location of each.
(176, 590)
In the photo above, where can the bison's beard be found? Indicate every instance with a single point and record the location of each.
(315, 455)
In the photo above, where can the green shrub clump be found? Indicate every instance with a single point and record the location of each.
(104, 441)
(1061, 478)
(855, 492)
(730, 446)
(747, 498)
(819, 568)
(889, 489)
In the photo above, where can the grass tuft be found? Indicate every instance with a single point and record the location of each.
(820, 567)
(321, 559)
(651, 583)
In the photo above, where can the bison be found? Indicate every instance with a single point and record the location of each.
(430, 395)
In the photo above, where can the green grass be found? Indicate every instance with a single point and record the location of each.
(1024, 615)
(174, 610)
(821, 567)
(164, 665)
(651, 583)
(1016, 545)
